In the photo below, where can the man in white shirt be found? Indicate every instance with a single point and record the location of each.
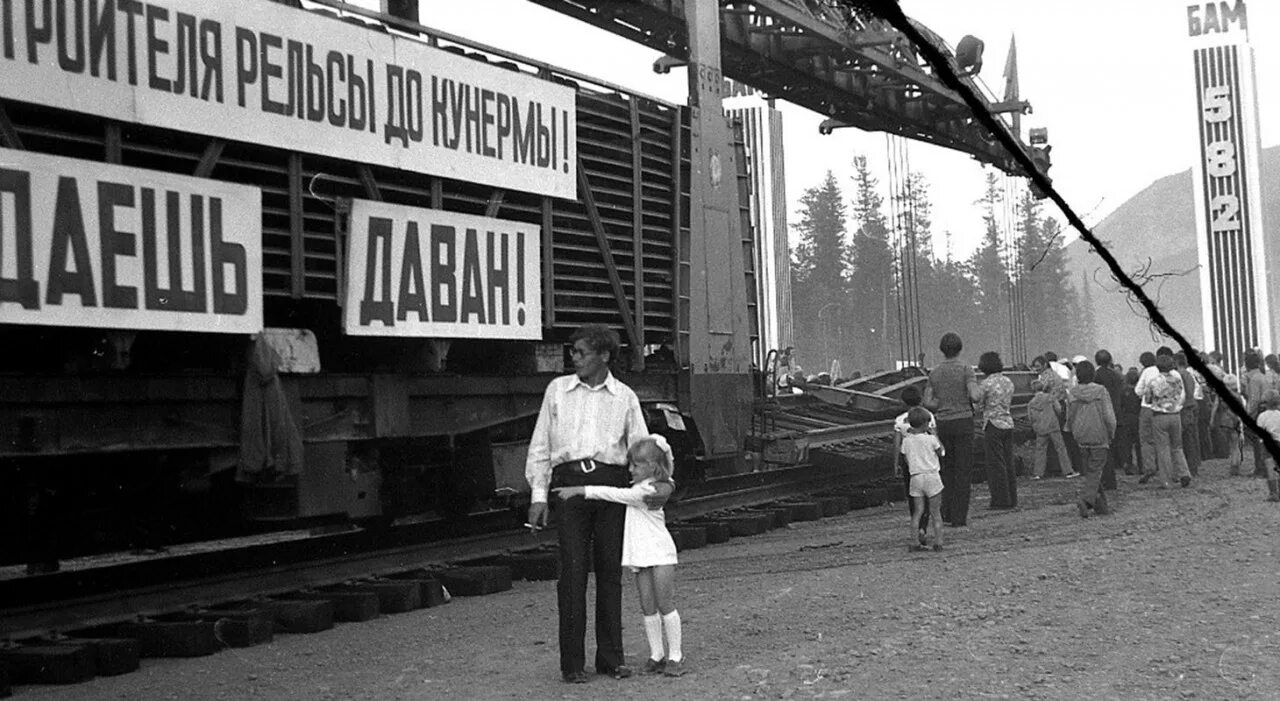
(587, 422)
(1066, 379)
(1146, 430)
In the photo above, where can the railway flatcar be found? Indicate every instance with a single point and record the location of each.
(263, 266)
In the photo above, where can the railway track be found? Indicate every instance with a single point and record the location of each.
(144, 587)
(72, 639)
(183, 603)
(112, 603)
(148, 587)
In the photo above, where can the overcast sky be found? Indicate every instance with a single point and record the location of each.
(1112, 82)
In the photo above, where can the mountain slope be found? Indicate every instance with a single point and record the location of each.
(1154, 231)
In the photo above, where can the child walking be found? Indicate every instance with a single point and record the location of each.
(1093, 423)
(648, 550)
(1042, 411)
(923, 451)
(912, 398)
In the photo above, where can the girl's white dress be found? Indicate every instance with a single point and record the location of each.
(645, 540)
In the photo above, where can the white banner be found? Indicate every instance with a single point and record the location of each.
(429, 273)
(1226, 182)
(106, 246)
(273, 75)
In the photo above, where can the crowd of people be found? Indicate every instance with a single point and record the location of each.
(592, 451)
(1158, 422)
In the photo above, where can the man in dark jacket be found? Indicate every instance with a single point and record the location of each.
(1190, 412)
(1093, 422)
(1106, 376)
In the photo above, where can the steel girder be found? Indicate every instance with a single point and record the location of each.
(850, 66)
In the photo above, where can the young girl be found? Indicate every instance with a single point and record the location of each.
(647, 550)
(923, 451)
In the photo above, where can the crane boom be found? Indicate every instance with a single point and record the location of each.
(849, 65)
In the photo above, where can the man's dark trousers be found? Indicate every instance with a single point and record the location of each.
(1113, 461)
(590, 527)
(956, 436)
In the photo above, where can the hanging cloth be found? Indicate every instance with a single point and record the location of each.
(270, 442)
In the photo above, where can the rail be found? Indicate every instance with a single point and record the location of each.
(161, 596)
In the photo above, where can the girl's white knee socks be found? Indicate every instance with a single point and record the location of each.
(671, 622)
(653, 631)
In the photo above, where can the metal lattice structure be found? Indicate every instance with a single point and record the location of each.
(818, 54)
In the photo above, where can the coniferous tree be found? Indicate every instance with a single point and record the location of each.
(1088, 337)
(955, 304)
(874, 306)
(991, 275)
(1036, 297)
(1059, 313)
(916, 263)
(818, 279)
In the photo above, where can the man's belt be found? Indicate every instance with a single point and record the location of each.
(585, 466)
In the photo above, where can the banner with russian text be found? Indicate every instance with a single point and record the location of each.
(1226, 182)
(264, 73)
(107, 246)
(430, 273)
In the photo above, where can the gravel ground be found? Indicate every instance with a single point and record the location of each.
(1172, 596)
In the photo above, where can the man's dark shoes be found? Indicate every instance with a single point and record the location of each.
(1185, 481)
(578, 677)
(620, 672)
(1146, 478)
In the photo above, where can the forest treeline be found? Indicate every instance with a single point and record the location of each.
(873, 286)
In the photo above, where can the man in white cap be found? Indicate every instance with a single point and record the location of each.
(1060, 368)
(1068, 378)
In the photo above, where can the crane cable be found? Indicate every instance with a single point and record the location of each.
(903, 220)
(1005, 245)
(1017, 335)
(896, 245)
(909, 190)
(1019, 281)
(892, 13)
